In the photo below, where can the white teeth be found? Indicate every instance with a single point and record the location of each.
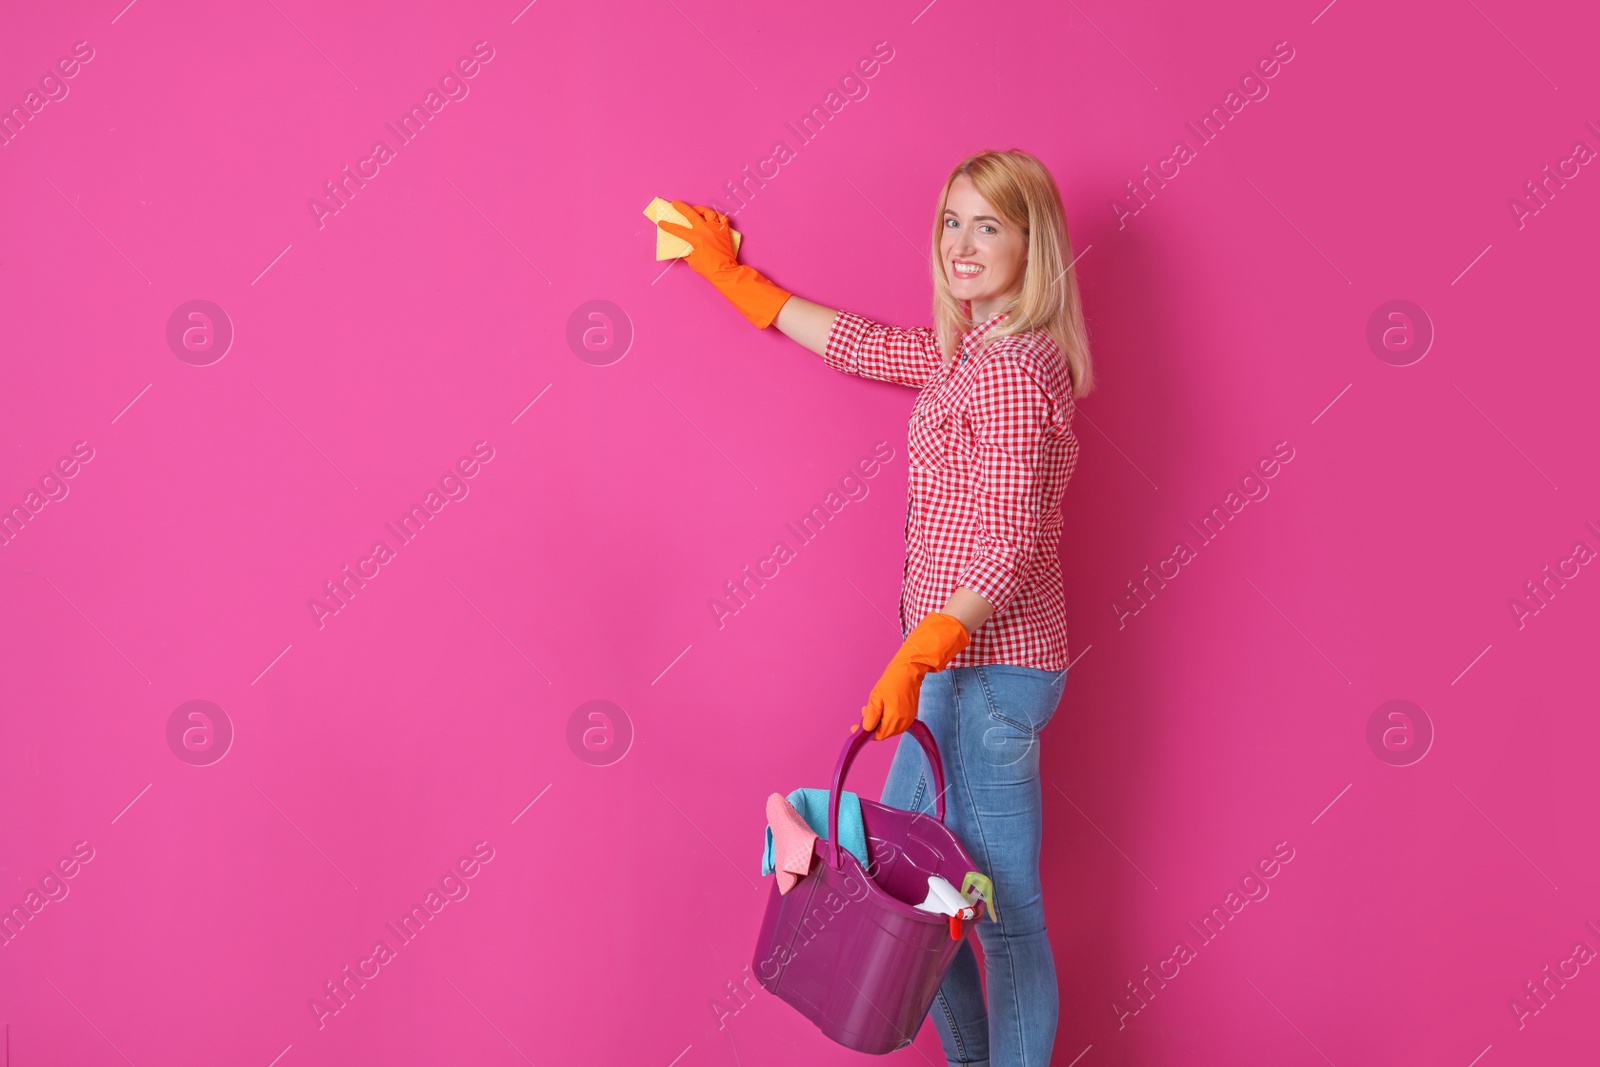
(962, 268)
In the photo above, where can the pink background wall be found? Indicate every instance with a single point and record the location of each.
(366, 758)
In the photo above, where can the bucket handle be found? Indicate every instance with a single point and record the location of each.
(847, 756)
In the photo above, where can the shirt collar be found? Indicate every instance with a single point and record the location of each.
(975, 334)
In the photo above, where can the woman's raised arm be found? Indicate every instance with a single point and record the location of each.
(806, 323)
(863, 348)
(757, 298)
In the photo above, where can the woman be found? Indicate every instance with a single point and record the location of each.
(982, 612)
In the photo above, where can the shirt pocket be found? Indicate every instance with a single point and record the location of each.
(929, 439)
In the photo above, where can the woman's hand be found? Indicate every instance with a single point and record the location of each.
(709, 236)
(712, 257)
(892, 707)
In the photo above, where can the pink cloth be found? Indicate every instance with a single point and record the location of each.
(792, 842)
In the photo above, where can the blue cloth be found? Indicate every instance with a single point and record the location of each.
(812, 804)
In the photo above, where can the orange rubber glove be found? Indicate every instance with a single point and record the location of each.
(937, 640)
(713, 258)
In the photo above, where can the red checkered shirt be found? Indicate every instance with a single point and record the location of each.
(991, 450)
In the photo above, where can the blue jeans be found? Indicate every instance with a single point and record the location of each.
(987, 720)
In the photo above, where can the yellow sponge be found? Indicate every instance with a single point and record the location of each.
(670, 245)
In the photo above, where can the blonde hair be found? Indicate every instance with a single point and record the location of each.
(1022, 189)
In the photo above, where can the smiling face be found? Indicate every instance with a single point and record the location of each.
(982, 253)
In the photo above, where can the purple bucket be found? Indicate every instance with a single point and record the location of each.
(846, 947)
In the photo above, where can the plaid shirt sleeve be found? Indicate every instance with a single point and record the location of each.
(1010, 415)
(857, 345)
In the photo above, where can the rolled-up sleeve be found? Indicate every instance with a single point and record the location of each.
(857, 345)
(1010, 415)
